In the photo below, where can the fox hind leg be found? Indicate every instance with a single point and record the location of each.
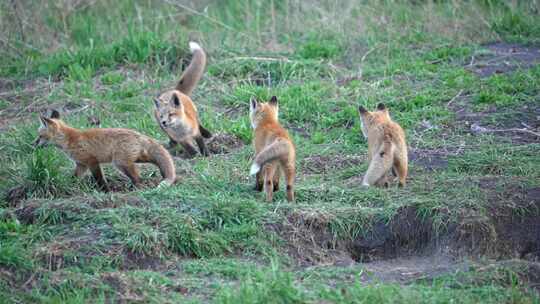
(259, 182)
(269, 172)
(131, 171)
(275, 180)
(290, 172)
(400, 165)
(80, 169)
(98, 176)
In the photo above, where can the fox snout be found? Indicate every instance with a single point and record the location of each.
(39, 142)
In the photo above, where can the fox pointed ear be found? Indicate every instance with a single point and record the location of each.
(381, 107)
(55, 114)
(156, 103)
(176, 101)
(362, 110)
(273, 101)
(253, 103)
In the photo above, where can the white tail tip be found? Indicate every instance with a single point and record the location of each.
(194, 46)
(254, 169)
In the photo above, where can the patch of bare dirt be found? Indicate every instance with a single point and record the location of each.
(521, 125)
(502, 57)
(433, 159)
(318, 164)
(223, 143)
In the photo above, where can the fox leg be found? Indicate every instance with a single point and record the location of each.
(259, 182)
(130, 170)
(269, 172)
(188, 148)
(202, 146)
(98, 176)
(172, 143)
(276, 179)
(290, 172)
(80, 169)
(400, 166)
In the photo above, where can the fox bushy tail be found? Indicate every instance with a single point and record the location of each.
(193, 73)
(161, 158)
(381, 162)
(277, 149)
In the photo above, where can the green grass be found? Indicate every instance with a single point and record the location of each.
(210, 237)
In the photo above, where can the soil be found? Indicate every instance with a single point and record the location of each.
(504, 58)
(408, 247)
(223, 143)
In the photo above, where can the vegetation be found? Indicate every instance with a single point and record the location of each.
(452, 74)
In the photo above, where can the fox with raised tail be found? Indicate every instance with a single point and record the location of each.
(274, 149)
(387, 148)
(176, 113)
(91, 147)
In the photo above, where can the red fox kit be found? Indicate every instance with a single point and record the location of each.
(274, 149)
(387, 149)
(176, 113)
(92, 147)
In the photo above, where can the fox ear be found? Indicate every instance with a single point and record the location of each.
(273, 101)
(176, 101)
(362, 110)
(253, 104)
(381, 107)
(55, 114)
(156, 103)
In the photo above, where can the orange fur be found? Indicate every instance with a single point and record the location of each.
(387, 148)
(92, 147)
(176, 113)
(274, 149)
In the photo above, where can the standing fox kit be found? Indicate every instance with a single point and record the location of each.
(387, 149)
(274, 149)
(92, 147)
(176, 113)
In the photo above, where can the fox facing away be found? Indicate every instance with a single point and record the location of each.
(274, 149)
(387, 149)
(176, 113)
(92, 147)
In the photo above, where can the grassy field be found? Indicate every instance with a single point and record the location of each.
(462, 78)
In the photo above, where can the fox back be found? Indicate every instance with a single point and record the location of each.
(92, 147)
(387, 148)
(274, 149)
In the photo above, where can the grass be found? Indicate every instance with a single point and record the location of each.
(210, 238)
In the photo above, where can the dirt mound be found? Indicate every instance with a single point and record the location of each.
(501, 57)
(223, 143)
